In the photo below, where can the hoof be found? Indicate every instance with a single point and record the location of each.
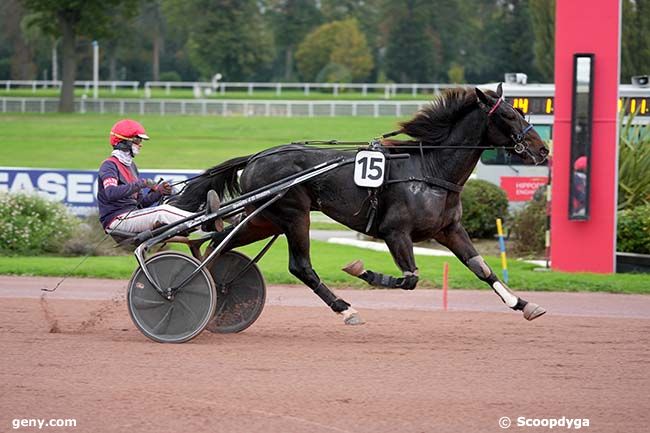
(533, 311)
(354, 268)
(352, 317)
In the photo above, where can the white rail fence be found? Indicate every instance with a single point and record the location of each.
(201, 88)
(9, 85)
(219, 108)
(208, 87)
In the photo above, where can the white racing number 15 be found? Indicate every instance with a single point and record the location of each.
(369, 168)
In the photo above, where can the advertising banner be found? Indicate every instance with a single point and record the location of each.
(522, 188)
(77, 189)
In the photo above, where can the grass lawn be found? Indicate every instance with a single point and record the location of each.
(328, 259)
(80, 141)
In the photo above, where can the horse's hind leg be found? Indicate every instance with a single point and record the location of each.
(401, 248)
(297, 233)
(456, 239)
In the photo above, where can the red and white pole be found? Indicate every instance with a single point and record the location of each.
(445, 285)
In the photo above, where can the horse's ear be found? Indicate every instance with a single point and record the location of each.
(500, 90)
(482, 98)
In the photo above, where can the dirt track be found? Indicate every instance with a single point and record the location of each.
(411, 368)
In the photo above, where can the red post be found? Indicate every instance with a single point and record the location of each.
(445, 285)
(586, 26)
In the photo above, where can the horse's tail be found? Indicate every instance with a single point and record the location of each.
(222, 178)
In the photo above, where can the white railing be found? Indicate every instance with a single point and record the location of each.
(201, 88)
(388, 90)
(8, 85)
(269, 108)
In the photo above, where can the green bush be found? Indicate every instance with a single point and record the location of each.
(633, 164)
(529, 226)
(483, 202)
(334, 73)
(170, 76)
(90, 239)
(633, 231)
(30, 224)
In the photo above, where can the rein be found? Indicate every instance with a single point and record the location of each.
(209, 173)
(518, 147)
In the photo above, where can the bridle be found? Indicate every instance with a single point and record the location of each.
(519, 139)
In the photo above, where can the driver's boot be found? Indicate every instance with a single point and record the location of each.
(212, 206)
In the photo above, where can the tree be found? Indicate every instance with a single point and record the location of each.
(542, 13)
(413, 48)
(291, 20)
(229, 37)
(635, 41)
(510, 41)
(19, 64)
(368, 14)
(332, 46)
(69, 19)
(471, 48)
(154, 22)
(179, 16)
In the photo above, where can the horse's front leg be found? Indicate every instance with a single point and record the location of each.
(400, 246)
(457, 240)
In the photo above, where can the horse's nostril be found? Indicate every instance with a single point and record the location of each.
(543, 151)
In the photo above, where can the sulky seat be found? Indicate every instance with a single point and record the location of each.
(121, 236)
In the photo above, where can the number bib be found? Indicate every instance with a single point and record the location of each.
(369, 168)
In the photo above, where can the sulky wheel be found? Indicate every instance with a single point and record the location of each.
(242, 293)
(187, 314)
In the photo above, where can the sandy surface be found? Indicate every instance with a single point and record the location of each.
(411, 368)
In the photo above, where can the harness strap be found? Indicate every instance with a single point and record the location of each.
(495, 106)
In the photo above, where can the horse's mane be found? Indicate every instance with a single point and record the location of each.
(432, 123)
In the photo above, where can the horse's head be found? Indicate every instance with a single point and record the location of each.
(508, 128)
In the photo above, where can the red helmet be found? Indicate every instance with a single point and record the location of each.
(127, 129)
(580, 164)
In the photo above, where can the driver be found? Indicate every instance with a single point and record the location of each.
(126, 201)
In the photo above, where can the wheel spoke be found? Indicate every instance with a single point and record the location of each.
(145, 304)
(165, 319)
(183, 304)
(192, 292)
(178, 272)
(221, 307)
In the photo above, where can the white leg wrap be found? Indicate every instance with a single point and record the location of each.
(508, 297)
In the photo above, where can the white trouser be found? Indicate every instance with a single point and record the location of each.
(146, 219)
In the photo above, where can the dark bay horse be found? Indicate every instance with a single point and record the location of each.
(419, 201)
